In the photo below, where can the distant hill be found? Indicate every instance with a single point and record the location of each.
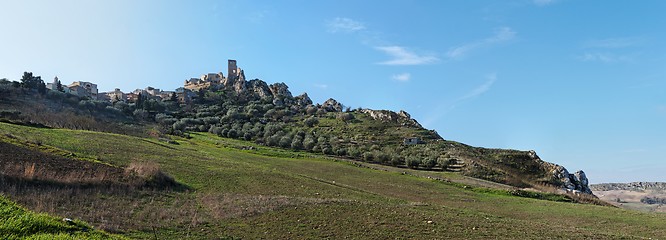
(633, 186)
(643, 196)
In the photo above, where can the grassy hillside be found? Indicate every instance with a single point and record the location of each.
(270, 116)
(18, 223)
(232, 188)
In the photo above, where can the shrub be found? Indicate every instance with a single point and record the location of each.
(311, 121)
(140, 114)
(413, 162)
(285, 141)
(368, 157)
(297, 143)
(397, 160)
(309, 142)
(345, 116)
(430, 163)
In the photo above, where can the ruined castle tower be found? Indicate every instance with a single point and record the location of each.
(232, 74)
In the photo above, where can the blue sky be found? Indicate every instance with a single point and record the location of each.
(581, 82)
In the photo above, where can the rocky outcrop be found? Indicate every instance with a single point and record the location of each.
(280, 90)
(303, 100)
(332, 105)
(401, 117)
(259, 88)
(576, 182)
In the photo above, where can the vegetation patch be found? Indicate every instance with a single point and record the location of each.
(18, 223)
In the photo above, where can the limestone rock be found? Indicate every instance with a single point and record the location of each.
(332, 105)
(303, 100)
(571, 182)
(280, 89)
(401, 117)
(259, 88)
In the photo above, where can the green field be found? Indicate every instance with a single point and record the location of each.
(18, 223)
(235, 189)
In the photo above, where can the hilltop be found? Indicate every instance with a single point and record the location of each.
(270, 115)
(233, 158)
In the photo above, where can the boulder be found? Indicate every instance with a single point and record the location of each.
(401, 117)
(332, 105)
(280, 89)
(303, 100)
(571, 182)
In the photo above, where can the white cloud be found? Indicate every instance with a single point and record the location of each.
(481, 89)
(613, 42)
(402, 56)
(502, 34)
(346, 25)
(444, 108)
(604, 57)
(322, 86)
(543, 2)
(403, 77)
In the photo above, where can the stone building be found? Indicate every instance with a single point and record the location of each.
(115, 95)
(235, 74)
(83, 89)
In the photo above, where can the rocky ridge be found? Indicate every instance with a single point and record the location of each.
(256, 89)
(575, 183)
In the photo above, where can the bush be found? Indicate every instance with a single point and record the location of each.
(309, 142)
(368, 157)
(430, 163)
(247, 136)
(297, 143)
(345, 116)
(341, 152)
(327, 150)
(285, 141)
(413, 162)
(311, 121)
(396, 160)
(232, 133)
(140, 114)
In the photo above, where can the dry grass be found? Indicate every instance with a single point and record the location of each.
(152, 174)
(225, 206)
(95, 192)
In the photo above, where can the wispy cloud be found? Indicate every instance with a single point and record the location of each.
(322, 86)
(257, 16)
(403, 77)
(502, 34)
(481, 89)
(614, 42)
(446, 107)
(610, 50)
(403, 56)
(543, 2)
(604, 57)
(345, 25)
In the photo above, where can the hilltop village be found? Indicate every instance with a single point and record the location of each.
(183, 94)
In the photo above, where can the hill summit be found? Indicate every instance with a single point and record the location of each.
(253, 110)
